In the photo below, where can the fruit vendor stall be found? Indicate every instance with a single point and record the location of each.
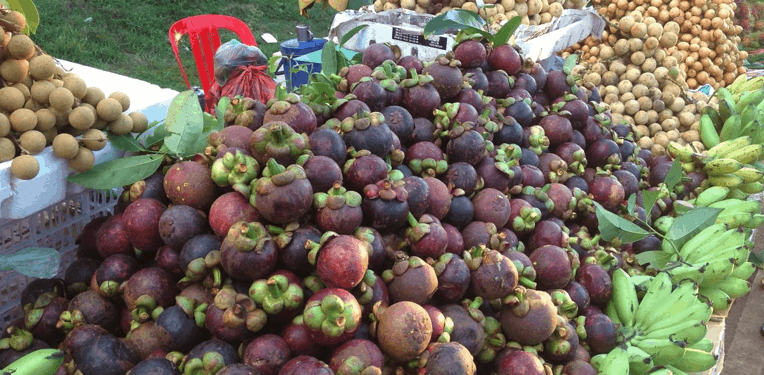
(471, 212)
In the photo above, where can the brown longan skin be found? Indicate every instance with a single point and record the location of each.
(11, 99)
(109, 109)
(94, 139)
(123, 125)
(23, 120)
(5, 125)
(93, 96)
(140, 122)
(81, 118)
(65, 146)
(46, 119)
(32, 141)
(61, 99)
(122, 98)
(83, 161)
(25, 167)
(42, 67)
(7, 150)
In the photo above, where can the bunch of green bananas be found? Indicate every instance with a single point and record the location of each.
(667, 328)
(742, 85)
(735, 212)
(738, 115)
(733, 164)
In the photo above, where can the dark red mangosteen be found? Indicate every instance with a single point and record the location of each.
(293, 249)
(499, 84)
(448, 358)
(528, 318)
(371, 93)
(453, 277)
(556, 84)
(322, 172)
(511, 361)
(289, 109)
(601, 334)
(149, 285)
(357, 356)
(377, 53)
(557, 128)
(267, 354)
(410, 279)
(553, 267)
(465, 144)
(79, 274)
(418, 195)
(105, 355)
(400, 122)
(18, 342)
(234, 317)
(298, 338)
(305, 365)
(341, 261)
(363, 169)
(579, 367)
(461, 175)
(112, 272)
(384, 204)
(180, 223)
(439, 198)
(597, 282)
(423, 131)
(371, 290)
(368, 131)
(228, 209)
(426, 236)
(505, 58)
(455, 240)
(190, 183)
(607, 191)
(426, 159)
(338, 210)
(211, 355)
(327, 142)
(468, 320)
(491, 205)
(282, 195)
(112, 238)
(90, 307)
(332, 315)
(461, 211)
(87, 241)
(155, 366)
(492, 275)
(411, 62)
(420, 97)
(447, 78)
(248, 252)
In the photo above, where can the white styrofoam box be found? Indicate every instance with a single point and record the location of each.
(57, 226)
(400, 27)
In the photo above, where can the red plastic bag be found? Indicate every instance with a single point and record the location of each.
(248, 81)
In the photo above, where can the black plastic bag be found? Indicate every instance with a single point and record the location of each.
(234, 54)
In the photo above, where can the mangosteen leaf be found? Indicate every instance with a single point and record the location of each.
(41, 262)
(125, 142)
(570, 63)
(458, 19)
(674, 175)
(210, 123)
(649, 197)
(220, 111)
(505, 33)
(631, 204)
(612, 225)
(158, 134)
(184, 123)
(691, 223)
(352, 32)
(329, 59)
(118, 172)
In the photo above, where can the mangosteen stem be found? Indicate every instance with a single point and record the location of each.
(273, 288)
(412, 220)
(274, 167)
(528, 283)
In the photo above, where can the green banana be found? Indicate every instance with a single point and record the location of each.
(704, 344)
(749, 174)
(611, 312)
(639, 361)
(663, 351)
(743, 271)
(719, 299)
(741, 255)
(726, 103)
(675, 371)
(735, 219)
(737, 193)
(755, 221)
(749, 113)
(727, 203)
(734, 287)
(722, 166)
(725, 147)
(711, 195)
(658, 292)
(752, 188)
(596, 361)
(747, 154)
(716, 119)
(752, 128)
(708, 134)
(742, 85)
(670, 331)
(750, 98)
(625, 297)
(686, 271)
(615, 363)
(663, 223)
(684, 296)
(695, 360)
(694, 333)
(701, 239)
(717, 271)
(38, 362)
(732, 127)
(727, 252)
(727, 180)
(715, 246)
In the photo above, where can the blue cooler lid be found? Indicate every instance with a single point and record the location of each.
(297, 48)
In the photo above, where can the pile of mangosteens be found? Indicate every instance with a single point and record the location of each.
(410, 218)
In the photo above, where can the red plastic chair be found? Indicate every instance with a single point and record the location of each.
(205, 40)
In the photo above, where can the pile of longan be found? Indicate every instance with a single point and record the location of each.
(42, 105)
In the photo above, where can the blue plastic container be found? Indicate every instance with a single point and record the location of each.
(293, 48)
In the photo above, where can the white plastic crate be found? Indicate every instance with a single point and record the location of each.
(56, 226)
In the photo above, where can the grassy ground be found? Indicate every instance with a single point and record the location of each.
(130, 38)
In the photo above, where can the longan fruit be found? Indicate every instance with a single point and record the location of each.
(31, 104)
(23, 120)
(122, 125)
(91, 108)
(41, 90)
(42, 67)
(46, 119)
(94, 139)
(140, 122)
(21, 47)
(76, 86)
(61, 99)
(81, 118)
(122, 98)
(62, 117)
(100, 124)
(65, 146)
(16, 18)
(32, 141)
(7, 149)
(25, 167)
(11, 99)
(14, 70)
(109, 109)
(83, 161)
(5, 125)
(93, 96)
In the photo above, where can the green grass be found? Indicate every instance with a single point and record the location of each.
(130, 38)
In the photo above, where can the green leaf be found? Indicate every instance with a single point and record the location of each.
(655, 259)
(612, 225)
(159, 134)
(357, 58)
(329, 59)
(125, 142)
(756, 259)
(691, 223)
(648, 200)
(674, 175)
(351, 34)
(118, 172)
(456, 19)
(210, 122)
(29, 10)
(201, 143)
(505, 33)
(152, 125)
(631, 204)
(41, 262)
(220, 111)
(184, 121)
(570, 63)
